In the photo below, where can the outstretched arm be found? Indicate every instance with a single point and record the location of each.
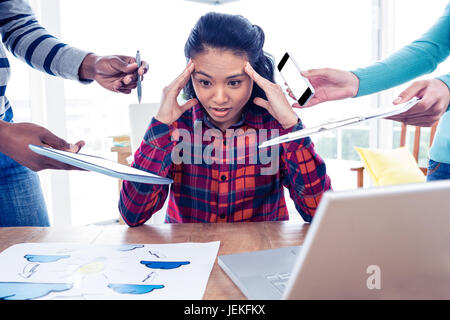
(26, 39)
(15, 138)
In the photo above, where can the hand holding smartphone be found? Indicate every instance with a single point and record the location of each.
(299, 86)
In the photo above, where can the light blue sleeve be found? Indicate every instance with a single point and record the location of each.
(420, 57)
(445, 79)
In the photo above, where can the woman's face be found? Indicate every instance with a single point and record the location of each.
(221, 85)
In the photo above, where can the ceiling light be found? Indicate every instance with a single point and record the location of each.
(213, 2)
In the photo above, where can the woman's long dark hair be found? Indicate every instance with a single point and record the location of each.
(234, 33)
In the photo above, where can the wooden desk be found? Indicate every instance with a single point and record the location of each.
(234, 238)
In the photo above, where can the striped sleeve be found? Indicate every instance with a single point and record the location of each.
(138, 201)
(304, 174)
(26, 39)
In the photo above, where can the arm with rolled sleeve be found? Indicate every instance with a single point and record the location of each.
(138, 201)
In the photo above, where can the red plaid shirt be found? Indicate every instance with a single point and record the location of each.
(223, 176)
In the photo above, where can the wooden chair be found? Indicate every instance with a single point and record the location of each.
(123, 150)
(416, 147)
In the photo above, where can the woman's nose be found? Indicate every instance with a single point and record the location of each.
(220, 97)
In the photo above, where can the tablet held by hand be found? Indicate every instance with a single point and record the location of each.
(101, 165)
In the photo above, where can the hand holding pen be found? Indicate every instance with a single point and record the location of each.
(116, 73)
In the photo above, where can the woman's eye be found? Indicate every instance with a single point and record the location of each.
(234, 83)
(204, 83)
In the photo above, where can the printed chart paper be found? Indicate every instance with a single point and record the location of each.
(129, 271)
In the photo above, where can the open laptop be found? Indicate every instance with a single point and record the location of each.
(378, 243)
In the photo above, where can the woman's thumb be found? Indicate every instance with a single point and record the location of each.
(189, 104)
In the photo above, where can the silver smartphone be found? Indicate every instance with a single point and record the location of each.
(299, 86)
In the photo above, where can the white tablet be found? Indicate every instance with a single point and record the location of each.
(101, 165)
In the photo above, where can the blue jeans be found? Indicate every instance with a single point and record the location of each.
(21, 199)
(438, 171)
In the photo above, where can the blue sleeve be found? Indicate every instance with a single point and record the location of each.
(445, 79)
(420, 57)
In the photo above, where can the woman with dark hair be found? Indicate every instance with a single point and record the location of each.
(237, 36)
(232, 101)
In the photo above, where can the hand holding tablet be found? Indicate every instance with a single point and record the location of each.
(101, 165)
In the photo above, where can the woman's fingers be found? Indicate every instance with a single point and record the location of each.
(178, 84)
(260, 81)
(261, 102)
(182, 79)
(169, 109)
(188, 104)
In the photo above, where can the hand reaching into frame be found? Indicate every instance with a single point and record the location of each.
(435, 98)
(20, 135)
(330, 84)
(115, 73)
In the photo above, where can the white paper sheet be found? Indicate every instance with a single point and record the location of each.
(129, 271)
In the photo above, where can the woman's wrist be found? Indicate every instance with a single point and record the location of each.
(162, 120)
(289, 122)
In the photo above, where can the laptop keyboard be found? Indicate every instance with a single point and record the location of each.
(279, 280)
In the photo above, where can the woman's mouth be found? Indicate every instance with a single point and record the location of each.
(219, 112)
